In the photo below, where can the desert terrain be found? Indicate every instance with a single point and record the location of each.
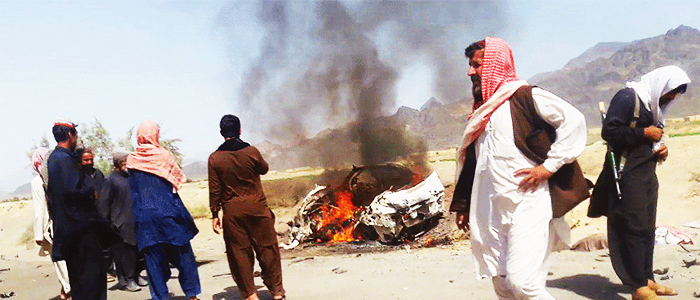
(416, 270)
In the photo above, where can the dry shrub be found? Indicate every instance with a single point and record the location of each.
(287, 192)
(199, 211)
(27, 236)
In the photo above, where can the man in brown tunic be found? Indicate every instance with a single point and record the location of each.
(248, 224)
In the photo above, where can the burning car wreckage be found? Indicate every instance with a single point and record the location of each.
(389, 203)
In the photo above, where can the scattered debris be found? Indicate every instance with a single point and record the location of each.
(696, 294)
(338, 271)
(5, 269)
(7, 295)
(669, 235)
(301, 259)
(221, 275)
(591, 243)
(257, 274)
(693, 224)
(665, 277)
(661, 271)
(689, 263)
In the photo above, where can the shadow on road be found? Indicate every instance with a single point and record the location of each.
(590, 286)
(232, 293)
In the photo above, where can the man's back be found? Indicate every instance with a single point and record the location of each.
(234, 176)
(115, 205)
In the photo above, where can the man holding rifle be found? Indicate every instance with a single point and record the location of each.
(627, 188)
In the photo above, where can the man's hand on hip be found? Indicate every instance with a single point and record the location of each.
(533, 177)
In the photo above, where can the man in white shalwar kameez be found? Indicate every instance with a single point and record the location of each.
(509, 207)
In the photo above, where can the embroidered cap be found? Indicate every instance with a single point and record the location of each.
(65, 123)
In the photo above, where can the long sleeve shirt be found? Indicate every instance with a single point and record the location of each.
(234, 177)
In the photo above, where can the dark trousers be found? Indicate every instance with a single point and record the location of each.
(249, 236)
(126, 260)
(631, 228)
(158, 258)
(87, 270)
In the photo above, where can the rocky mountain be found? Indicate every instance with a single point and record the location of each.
(599, 79)
(23, 190)
(600, 50)
(196, 170)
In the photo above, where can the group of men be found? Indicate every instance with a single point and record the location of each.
(68, 187)
(511, 162)
(514, 158)
(85, 221)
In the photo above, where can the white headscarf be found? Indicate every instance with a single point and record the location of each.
(38, 158)
(655, 84)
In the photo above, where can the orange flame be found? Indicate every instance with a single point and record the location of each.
(417, 175)
(339, 221)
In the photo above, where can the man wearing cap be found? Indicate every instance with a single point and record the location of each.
(80, 233)
(502, 194)
(248, 224)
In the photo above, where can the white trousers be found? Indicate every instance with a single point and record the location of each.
(527, 237)
(62, 274)
(60, 266)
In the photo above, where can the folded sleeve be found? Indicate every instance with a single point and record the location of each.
(570, 126)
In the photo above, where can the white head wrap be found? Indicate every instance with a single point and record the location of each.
(38, 158)
(655, 84)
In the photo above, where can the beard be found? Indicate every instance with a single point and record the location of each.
(476, 90)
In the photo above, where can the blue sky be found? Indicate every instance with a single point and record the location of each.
(180, 64)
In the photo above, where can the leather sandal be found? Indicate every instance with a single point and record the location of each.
(645, 293)
(661, 290)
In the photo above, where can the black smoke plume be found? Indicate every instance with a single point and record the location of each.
(327, 64)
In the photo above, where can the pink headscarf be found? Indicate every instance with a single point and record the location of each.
(38, 158)
(152, 158)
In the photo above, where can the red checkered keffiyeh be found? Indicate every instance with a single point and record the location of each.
(498, 83)
(498, 67)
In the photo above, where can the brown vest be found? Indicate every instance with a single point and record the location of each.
(533, 137)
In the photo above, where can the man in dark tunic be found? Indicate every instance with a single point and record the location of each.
(93, 177)
(80, 233)
(115, 205)
(634, 128)
(248, 224)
